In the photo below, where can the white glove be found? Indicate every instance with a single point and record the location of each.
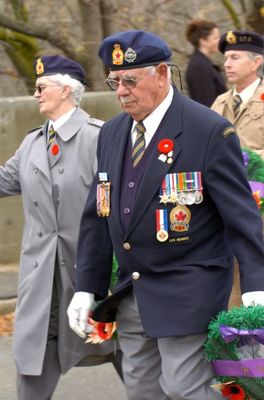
(253, 298)
(78, 313)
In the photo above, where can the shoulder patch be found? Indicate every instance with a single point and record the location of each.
(96, 122)
(34, 129)
(228, 131)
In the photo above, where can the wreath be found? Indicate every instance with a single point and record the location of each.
(255, 172)
(232, 332)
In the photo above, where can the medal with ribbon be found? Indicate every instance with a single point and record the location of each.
(103, 196)
(182, 188)
(162, 225)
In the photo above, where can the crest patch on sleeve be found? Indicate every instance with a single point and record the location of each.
(228, 131)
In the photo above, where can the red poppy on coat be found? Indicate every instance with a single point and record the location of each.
(55, 149)
(165, 146)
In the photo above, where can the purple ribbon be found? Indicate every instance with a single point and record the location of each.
(257, 186)
(245, 336)
(243, 368)
(245, 158)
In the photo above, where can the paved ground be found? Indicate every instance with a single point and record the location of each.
(82, 383)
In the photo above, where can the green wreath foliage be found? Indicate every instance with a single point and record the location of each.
(217, 349)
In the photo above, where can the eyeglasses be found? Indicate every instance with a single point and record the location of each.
(40, 88)
(127, 81)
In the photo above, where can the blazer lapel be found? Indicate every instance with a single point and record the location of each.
(115, 172)
(170, 127)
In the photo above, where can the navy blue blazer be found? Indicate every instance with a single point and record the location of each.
(182, 283)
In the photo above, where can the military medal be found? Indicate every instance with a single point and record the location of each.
(103, 196)
(162, 225)
(180, 217)
(198, 194)
(164, 198)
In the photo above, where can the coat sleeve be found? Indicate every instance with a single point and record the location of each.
(9, 177)
(94, 251)
(226, 182)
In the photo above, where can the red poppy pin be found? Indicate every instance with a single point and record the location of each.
(262, 96)
(165, 148)
(55, 149)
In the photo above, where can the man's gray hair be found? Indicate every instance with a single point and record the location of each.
(76, 86)
(252, 55)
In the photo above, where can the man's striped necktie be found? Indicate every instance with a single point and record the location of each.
(236, 104)
(140, 144)
(51, 136)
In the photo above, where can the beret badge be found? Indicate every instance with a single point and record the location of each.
(117, 55)
(231, 38)
(39, 67)
(130, 55)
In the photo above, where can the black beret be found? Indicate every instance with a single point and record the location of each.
(133, 49)
(51, 65)
(242, 40)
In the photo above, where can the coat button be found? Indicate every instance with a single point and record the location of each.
(40, 234)
(63, 263)
(35, 203)
(35, 264)
(61, 170)
(135, 276)
(35, 170)
(126, 246)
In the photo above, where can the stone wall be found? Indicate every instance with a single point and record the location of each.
(17, 116)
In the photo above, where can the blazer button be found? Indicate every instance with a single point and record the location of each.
(135, 276)
(35, 264)
(126, 246)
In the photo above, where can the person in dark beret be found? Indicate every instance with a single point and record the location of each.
(243, 104)
(244, 68)
(53, 170)
(204, 79)
(172, 202)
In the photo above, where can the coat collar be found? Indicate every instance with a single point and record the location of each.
(72, 125)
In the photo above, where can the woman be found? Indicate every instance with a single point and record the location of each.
(204, 79)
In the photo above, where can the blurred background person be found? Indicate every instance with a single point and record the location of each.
(204, 79)
(243, 104)
(53, 169)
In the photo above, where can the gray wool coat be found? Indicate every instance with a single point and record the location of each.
(53, 201)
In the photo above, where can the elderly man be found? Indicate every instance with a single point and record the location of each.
(172, 201)
(243, 104)
(53, 170)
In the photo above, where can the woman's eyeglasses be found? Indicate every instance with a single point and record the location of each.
(39, 88)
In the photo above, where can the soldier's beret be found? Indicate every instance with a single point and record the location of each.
(242, 40)
(133, 49)
(51, 65)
